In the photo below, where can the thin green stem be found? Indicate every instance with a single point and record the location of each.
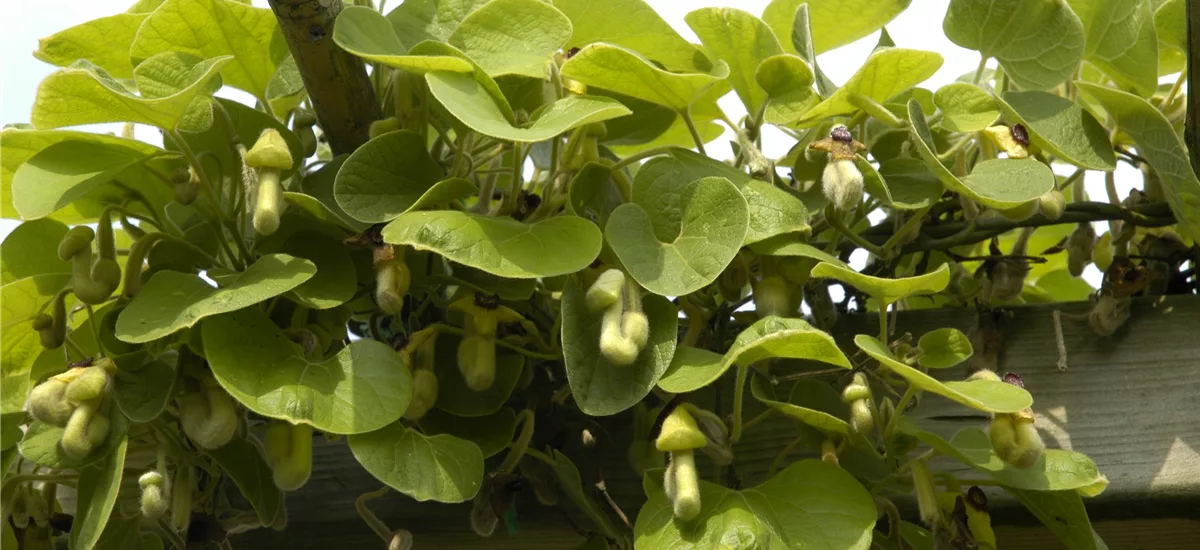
(909, 226)
(652, 152)
(983, 59)
(883, 322)
(903, 404)
(835, 221)
(763, 416)
(1175, 90)
(169, 533)
(95, 324)
(782, 456)
(528, 353)
(956, 148)
(739, 392)
(372, 521)
(521, 445)
(207, 186)
(691, 126)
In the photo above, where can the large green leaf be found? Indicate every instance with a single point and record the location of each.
(466, 98)
(659, 183)
(441, 468)
(41, 444)
(1063, 513)
(501, 246)
(599, 387)
(1038, 42)
(492, 433)
(634, 25)
(965, 107)
(104, 41)
(886, 73)
(143, 393)
(768, 338)
(1061, 127)
(835, 23)
(65, 172)
(789, 246)
(826, 422)
(886, 290)
(742, 41)
(32, 249)
(909, 182)
(456, 398)
(435, 20)
(172, 300)
(217, 28)
(787, 81)
(361, 388)
(97, 494)
(335, 281)
(624, 71)
(713, 224)
(985, 395)
(386, 177)
(243, 462)
(85, 94)
(1158, 143)
(1170, 23)
(513, 36)
(1055, 470)
(998, 183)
(1121, 40)
(810, 504)
(366, 33)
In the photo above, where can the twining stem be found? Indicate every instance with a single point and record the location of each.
(95, 323)
(891, 425)
(528, 353)
(954, 149)
(883, 321)
(782, 456)
(691, 126)
(207, 186)
(360, 504)
(739, 391)
(169, 533)
(521, 445)
(1174, 90)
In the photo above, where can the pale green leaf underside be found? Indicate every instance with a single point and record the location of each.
(1061, 127)
(104, 41)
(65, 171)
(742, 41)
(517, 37)
(32, 249)
(835, 23)
(501, 246)
(599, 387)
(944, 348)
(363, 387)
(788, 246)
(769, 338)
(985, 395)
(965, 107)
(169, 73)
(441, 468)
(886, 73)
(887, 290)
(1121, 40)
(430, 19)
(97, 494)
(714, 218)
(623, 71)
(821, 420)
(634, 25)
(362, 31)
(172, 300)
(1039, 43)
(787, 81)
(243, 462)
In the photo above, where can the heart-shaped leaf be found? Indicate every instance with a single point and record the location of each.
(85, 94)
(97, 494)
(830, 424)
(492, 433)
(742, 41)
(386, 177)
(998, 183)
(242, 460)
(217, 28)
(441, 468)
(599, 387)
(66, 171)
(787, 81)
(713, 223)
(501, 246)
(1056, 470)
(944, 348)
(104, 41)
(1121, 40)
(1158, 143)
(456, 398)
(769, 338)
(41, 444)
(965, 107)
(1063, 513)
(985, 395)
(335, 281)
(143, 393)
(634, 25)
(810, 504)
(169, 73)
(887, 290)
(1039, 43)
(174, 300)
(432, 20)
(910, 183)
(886, 73)
(1062, 127)
(835, 23)
(363, 387)
(623, 71)
(32, 249)
(513, 37)
(366, 33)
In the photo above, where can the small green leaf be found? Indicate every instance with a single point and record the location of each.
(41, 444)
(441, 468)
(366, 33)
(466, 99)
(886, 73)
(32, 249)
(634, 25)
(172, 300)
(217, 28)
(887, 290)
(965, 107)
(787, 81)
(1039, 43)
(98, 488)
(105, 41)
(513, 36)
(20, 345)
(319, 185)
(1062, 127)
(1056, 470)
(492, 433)
(85, 94)
(623, 71)
(810, 504)
(143, 393)
(997, 183)
(1158, 143)
(769, 338)
(430, 20)
(65, 172)
(599, 387)
(242, 460)
(742, 41)
(168, 73)
(944, 348)
(361, 388)
(386, 177)
(910, 183)
(985, 395)
(1121, 41)
(1063, 513)
(802, 42)
(830, 424)
(714, 218)
(456, 398)
(835, 23)
(286, 89)
(501, 246)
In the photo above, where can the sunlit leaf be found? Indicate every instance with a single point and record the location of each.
(1055, 470)
(885, 289)
(97, 494)
(1121, 40)
(366, 33)
(634, 25)
(512, 36)
(965, 107)
(827, 423)
(104, 41)
(441, 468)
(1063, 513)
(65, 172)
(886, 73)
(787, 81)
(835, 23)
(32, 249)
(944, 348)
(742, 41)
(1039, 43)
(1061, 127)
(624, 71)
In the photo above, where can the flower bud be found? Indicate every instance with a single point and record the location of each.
(606, 291)
(1015, 439)
(771, 297)
(858, 396)
(383, 126)
(984, 374)
(84, 431)
(926, 493)
(614, 345)
(424, 394)
(682, 485)
(477, 361)
(154, 494)
(181, 497)
(88, 386)
(1052, 204)
(842, 184)
(636, 327)
(208, 417)
(288, 449)
(48, 403)
(269, 157)
(392, 279)
(1080, 245)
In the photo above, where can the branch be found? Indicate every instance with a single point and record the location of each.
(337, 83)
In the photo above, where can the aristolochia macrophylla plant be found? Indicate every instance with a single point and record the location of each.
(507, 249)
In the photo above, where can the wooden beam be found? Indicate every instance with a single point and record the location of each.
(337, 82)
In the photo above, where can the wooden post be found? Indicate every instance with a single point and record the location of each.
(337, 82)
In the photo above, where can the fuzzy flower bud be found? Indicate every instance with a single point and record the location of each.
(154, 494)
(1015, 439)
(842, 184)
